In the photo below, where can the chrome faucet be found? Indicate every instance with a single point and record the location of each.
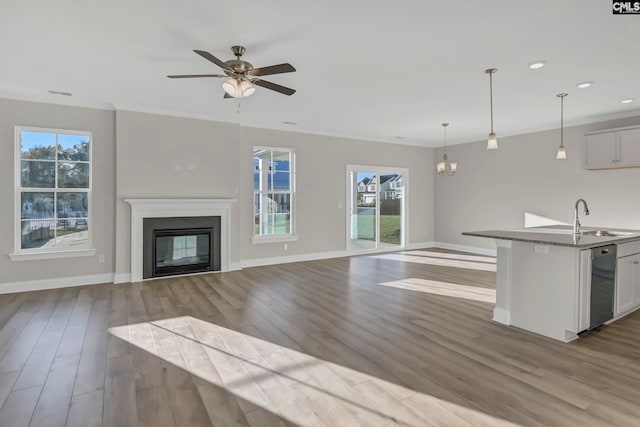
(576, 220)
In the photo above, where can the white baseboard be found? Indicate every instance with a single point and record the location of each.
(235, 266)
(502, 315)
(34, 285)
(463, 248)
(62, 282)
(292, 258)
(422, 245)
(122, 278)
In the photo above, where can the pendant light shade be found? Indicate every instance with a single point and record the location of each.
(561, 154)
(492, 140)
(441, 167)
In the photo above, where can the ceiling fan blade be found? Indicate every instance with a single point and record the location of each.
(273, 69)
(189, 76)
(206, 55)
(273, 86)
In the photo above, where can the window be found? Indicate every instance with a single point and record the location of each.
(273, 194)
(53, 192)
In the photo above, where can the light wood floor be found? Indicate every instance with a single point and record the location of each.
(395, 339)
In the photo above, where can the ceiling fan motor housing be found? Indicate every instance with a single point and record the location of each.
(239, 66)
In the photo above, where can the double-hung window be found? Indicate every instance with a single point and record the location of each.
(273, 194)
(53, 193)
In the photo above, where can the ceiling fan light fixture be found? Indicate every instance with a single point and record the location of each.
(231, 87)
(246, 88)
(238, 89)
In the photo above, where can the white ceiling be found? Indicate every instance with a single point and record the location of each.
(373, 70)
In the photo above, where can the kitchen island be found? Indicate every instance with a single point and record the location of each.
(543, 280)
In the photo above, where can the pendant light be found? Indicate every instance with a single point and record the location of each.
(562, 153)
(492, 141)
(441, 167)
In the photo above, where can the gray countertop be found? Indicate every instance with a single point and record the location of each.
(557, 235)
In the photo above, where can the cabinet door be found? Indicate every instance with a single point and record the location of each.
(635, 272)
(624, 285)
(600, 151)
(627, 284)
(629, 148)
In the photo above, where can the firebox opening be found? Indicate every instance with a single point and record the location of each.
(175, 246)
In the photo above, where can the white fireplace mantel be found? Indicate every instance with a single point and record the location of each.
(160, 208)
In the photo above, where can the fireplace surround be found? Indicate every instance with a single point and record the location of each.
(177, 208)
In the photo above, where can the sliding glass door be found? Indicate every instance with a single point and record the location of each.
(376, 206)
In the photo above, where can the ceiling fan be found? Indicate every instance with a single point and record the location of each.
(242, 75)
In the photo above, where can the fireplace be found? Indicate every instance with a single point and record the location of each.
(181, 245)
(181, 251)
(178, 215)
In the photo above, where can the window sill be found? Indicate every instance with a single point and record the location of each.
(274, 239)
(31, 256)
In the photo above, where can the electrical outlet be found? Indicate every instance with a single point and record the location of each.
(100, 259)
(286, 246)
(541, 249)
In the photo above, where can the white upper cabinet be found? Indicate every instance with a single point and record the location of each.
(612, 149)
(629, 147)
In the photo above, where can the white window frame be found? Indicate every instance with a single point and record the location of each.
(55, 252)
(275, 238)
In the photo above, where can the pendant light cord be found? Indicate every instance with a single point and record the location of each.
(491, 97)
(561, 96)
(445, 139)
(562, 121)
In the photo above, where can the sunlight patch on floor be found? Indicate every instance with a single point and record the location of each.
(297, 387)
(441, 262)
(445, 289)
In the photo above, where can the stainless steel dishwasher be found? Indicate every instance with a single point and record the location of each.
(603, 284)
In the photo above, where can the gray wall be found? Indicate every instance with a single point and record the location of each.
(321, 184)
(149, 145)
(101, 123)
(493, 189)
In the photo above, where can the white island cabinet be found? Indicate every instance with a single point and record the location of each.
(543, 279)
(547, 289)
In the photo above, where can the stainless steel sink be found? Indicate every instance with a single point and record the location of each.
(607, 233)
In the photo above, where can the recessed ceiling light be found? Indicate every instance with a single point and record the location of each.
(537, 64)
(584, 85)
(628, 100)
